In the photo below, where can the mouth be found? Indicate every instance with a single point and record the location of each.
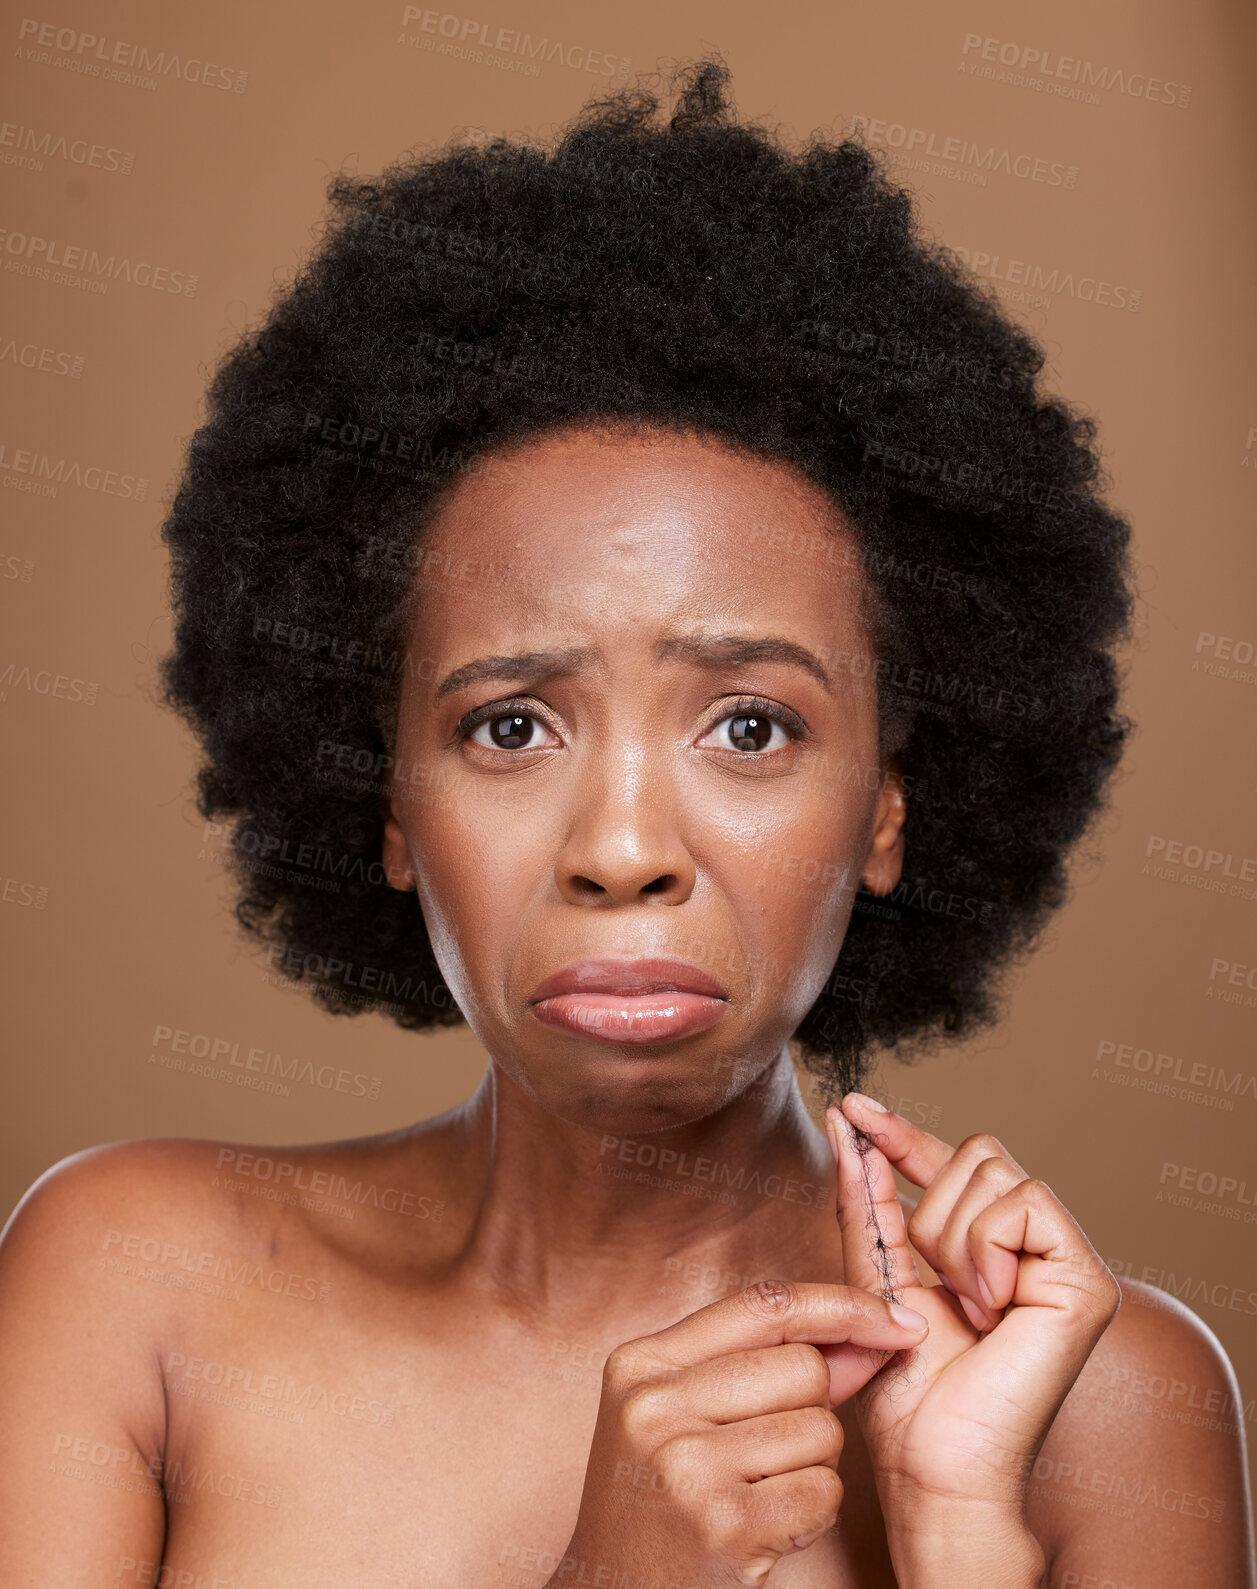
(638, 1001)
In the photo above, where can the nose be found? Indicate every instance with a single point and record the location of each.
(624, 846)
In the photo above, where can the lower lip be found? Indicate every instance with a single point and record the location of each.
(631, 1017)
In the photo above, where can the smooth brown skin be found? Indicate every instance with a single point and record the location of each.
(448, 1359)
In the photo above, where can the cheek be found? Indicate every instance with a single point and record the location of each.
(799, 849)
(793, 880)
(477, 864)
(804, 900)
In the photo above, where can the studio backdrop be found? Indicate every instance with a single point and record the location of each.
(164, 172)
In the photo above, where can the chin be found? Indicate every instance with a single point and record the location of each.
(641, 1103)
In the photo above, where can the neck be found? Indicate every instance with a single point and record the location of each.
(565, 1220)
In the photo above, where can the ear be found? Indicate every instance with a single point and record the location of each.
(884, 862)
(394, 851)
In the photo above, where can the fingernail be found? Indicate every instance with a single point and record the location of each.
(910, 1319)
(866, 1102)
(974, 1314)
(842, 1127)
(986, 1293)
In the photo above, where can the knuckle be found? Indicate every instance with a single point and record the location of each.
(820, 1498)
(956, 1247)
(983, 1145)
(860, 1306)
(992, 1169)
(770, 1298)
(809, 1504)
(625, 1365)
(681, 1459)
(644, 1406)
(807, 1367)
(721, 1522)
(982, 1223)
(823, 1428)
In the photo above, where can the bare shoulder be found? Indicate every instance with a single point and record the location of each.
(150, 1183)
(125, 1261)
(1145, 1466)
(175, 1211)
(174, 1205)
(118, 1167)
(119, 1199)
(83, 1238)
(80, 1376)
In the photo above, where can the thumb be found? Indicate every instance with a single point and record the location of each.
(875, 1251)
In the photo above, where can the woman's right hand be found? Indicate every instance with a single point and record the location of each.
(716, 1446)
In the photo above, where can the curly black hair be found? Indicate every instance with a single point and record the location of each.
(695, 275)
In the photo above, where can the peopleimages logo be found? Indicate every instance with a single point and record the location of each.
(1050, 72)
(32, 148)
(466, 33)
(182, 1259)
(327, 1183)
(1038, 278)
(983, 159)
(96, 56)
(43, 474)
(78, 264)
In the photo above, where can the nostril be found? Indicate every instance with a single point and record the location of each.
(660, 884)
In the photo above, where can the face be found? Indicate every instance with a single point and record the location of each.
(636, 727)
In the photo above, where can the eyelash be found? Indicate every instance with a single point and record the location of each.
(745, 706)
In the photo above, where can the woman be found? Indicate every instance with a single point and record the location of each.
(633, 599)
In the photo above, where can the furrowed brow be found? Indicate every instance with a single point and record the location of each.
(521, 665)
(705, 650)
(722, 650)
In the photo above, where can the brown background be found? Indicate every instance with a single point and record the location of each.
(115, 909)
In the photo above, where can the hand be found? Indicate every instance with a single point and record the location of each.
(716, 1444)
(953, 1427)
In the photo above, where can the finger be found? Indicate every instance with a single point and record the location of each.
(1065, 1296)
(779, 1442)
(740, 1385)
(875, 1251)
(916, 1154)
(930, 1216)
(851, 1368)
(991, 1179)
(769, 1313)
(1055, 1266)
(788, 1508)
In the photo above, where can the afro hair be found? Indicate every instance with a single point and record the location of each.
(698, 275)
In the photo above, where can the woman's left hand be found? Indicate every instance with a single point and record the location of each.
(954, 1425)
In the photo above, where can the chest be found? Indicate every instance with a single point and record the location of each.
(317, 1455)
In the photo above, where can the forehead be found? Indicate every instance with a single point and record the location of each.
(618, 531)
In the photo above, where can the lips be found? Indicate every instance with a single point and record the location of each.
(637, 1001)
(629, 976)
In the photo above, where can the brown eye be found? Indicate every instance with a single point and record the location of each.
(517, 728)
(750, 733)
(512, 732)
(748, 730)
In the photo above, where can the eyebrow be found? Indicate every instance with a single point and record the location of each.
(711, 651)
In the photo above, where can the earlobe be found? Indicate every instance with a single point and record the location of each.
(395, 855)
(884, 863)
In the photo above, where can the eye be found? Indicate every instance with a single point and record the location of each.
(505, 725)
(757, 728)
